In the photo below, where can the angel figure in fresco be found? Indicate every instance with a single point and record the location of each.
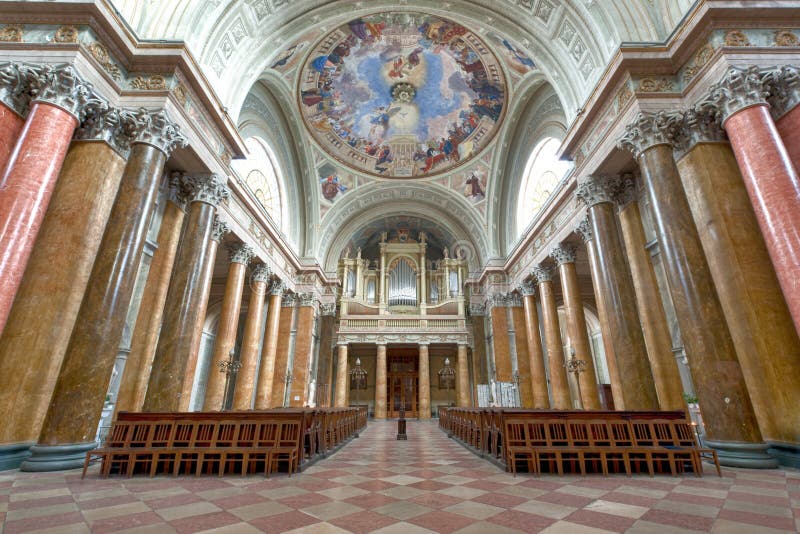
(384, 156)
(331, 187)
(396, 71)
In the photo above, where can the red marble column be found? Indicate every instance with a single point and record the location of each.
(69, 427)
(11, 125)
(769, 174)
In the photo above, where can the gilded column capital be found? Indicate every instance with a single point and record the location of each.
(526, 289)
(584, 230)
(261, 273)
(117, 127)
(209, 188)
(563, 253)
(650, 129)
(626, 192)
(740, 88)
(783, 85)
(277, 288)
(594, 190)
(542, 273)
(15, 87)
(61, 86)
(240, 253)
(159, 131)
(219, 228)
(179, 191)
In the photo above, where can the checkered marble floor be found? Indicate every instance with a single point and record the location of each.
(376, 484)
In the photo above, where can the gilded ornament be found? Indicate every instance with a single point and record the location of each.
(100, 53)
(785, 38)
(624, 96)
(66, 34)
(154, 82)
(736, 38)
(180, 94)
(11, 34)
(650, 85)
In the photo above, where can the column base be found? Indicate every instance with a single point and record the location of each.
(57, 457)
(787, 454)
(742, 454)
(12, 454)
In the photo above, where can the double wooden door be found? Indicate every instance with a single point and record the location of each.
(402, 381)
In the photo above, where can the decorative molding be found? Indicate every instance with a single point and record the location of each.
(786, 38)
(597, 189)
(740, 88)
(261, 273)
(783, 85)
(149, 82)
(542, 274)
(584, 230)
(100, 53)
(11, 33)
(66, 34)
(653, 85)
(117, 127)
(159, 131)
(219, 229)
(563, 253)
(209, 188)
(61, 86)
(736, 38)
(240, 253)
(648, 130)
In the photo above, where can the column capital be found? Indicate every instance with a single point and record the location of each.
(477, 309)
(783, 85)
(594, 190)
(563, 253)
(288, 300)
(542, 273)
(15, 87)
(157, 130)
(423, 344)
(61, 86)
(526, 289)
(179, 191)
(209, 188)
(626, 192)
(380, 344)
(700, 124)
(117, 127)
(328, 309)
(261, 273)
(739, 88)
(584, 230)
(219, 228)
(240, 253)
(650, 129)
(277, 288)
(306, 299)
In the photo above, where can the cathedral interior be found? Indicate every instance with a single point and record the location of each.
(400, 210)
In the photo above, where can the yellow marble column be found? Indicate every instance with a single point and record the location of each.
(269, 349)
(759, 320)
(538, 377)
(463, 376)
(657, 338)
(49, 297)
(246, 378)
(284, 345)
(148, 322)
(424, 405)
(501, 346)
(342, 378)
(564, 255)
(303, 348)
(559, 386)
(380, 382)
(240, 256)
(523, 371)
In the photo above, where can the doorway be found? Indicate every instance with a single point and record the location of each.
(402, 380)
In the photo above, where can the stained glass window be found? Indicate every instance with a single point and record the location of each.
(542, 175)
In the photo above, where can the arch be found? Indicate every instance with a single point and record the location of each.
(263, 177)
(542, 175)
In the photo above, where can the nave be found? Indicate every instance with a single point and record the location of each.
(428, 483)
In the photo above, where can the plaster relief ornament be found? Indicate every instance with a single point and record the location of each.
(402, 95)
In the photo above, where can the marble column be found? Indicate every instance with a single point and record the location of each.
(538, 378)
(559, 386)
(251, 337)
(28, 178)
(342, 386)
(424, 404)
(175, 360)
(14, 102)
(730, 422)
(759, 320)
(283, 349)
(523, 371)
(380, 382)
(770, 176)
(52, 288)
(564, 256)
(463, 376)
(133, 385)
(783, 85)
(584, 231)
(71, 422)
(618, 294)
(270, 348)
(657, 339)
(501, 346)
(240, 256)
(303, 350)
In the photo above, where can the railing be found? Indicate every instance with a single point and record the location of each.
(405, 324)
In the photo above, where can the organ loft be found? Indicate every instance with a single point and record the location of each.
(245, 237)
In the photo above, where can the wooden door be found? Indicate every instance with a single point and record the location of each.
(402, 382)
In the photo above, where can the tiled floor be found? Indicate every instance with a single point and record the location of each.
(426, 484)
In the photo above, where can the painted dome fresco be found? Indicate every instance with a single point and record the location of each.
(402, 95)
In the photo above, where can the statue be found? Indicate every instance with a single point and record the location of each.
(358, 253)
(493, 393)
(446, 253)
(312, 393)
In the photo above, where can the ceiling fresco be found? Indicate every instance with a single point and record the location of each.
(402, 95)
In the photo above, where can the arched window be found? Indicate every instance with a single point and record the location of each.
(543, 173)
(260, 174)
